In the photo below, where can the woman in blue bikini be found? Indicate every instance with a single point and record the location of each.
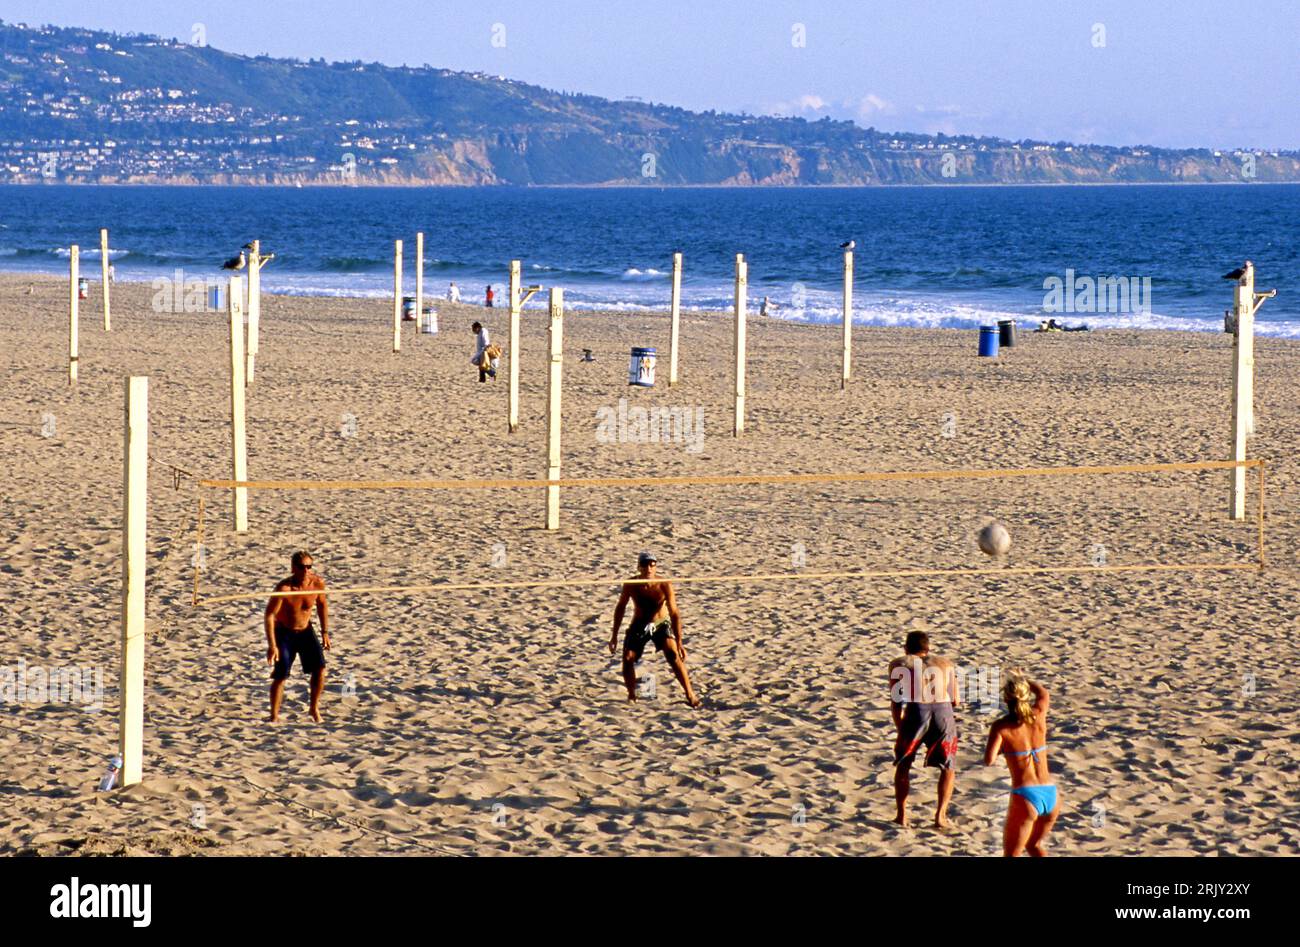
(1022, 736)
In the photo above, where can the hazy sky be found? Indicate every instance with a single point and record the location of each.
(1163, 72)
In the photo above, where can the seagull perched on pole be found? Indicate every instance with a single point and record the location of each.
(235, 262)
(848, 244)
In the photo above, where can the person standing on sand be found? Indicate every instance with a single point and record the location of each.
(922, 699)
(453, 292)
(289, 632)
(654, 610)
(1034, 805)
(488, 296)
(485, 355)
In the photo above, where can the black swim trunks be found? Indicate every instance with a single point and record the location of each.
(292, 643)
(641, 633)
(931, 724)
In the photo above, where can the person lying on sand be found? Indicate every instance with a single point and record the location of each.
(1022, 736)
(289, 633)
(922, 699)
(654, 610)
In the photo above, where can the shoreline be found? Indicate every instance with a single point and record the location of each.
(1025, 323)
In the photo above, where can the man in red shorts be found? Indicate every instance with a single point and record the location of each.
(922, 700)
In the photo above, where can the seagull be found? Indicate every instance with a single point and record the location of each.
(1238, 273)
(235, 263)
(587, 356)
(848, 244)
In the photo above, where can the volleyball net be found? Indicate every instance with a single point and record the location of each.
(925, 502)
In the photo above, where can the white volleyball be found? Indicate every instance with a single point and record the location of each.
(994, 539)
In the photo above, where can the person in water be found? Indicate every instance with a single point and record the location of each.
(1022, 736)
(654, 612)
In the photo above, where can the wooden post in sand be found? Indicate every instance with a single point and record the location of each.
(254, 306)
(554, 386)
(848, 318)
(103, 269)
(514, 345)
(676, 313)
(238, 434)
(742, 285)
(419, 281)
(135, 491)
(74, 277)
(397, 295)
(1247, 340)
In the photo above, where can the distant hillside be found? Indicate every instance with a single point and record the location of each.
(86, 106)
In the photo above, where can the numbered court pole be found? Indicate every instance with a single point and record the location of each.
(74, 277)
(848, 318)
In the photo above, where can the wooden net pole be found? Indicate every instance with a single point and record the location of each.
(238, 434)
(554, 415)
(742, 283)
(135, 490)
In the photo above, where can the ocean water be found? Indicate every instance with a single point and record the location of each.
(932, 257)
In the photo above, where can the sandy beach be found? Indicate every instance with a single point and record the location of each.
(496, 723)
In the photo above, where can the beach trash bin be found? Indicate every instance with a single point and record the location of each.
(83, 288)
(641, 370)
(430, 326)
(1006, 333)
(408, 308)
(988, 341)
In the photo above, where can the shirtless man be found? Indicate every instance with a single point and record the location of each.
(922, 699)
(654, 609)
(289, 632)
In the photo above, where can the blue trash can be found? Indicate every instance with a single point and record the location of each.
(641, 370)
(988, 341)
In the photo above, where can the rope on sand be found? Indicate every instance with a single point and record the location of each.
(724, 479)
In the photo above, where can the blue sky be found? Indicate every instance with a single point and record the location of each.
(1164, 72)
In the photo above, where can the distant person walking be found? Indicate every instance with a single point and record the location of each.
(453, 293)
(922, 698)
(1022, 736)
(488, 297)
(486, 355)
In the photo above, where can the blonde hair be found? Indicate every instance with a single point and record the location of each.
(1018, 697)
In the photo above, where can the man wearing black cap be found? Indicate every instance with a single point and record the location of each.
(654, 611)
